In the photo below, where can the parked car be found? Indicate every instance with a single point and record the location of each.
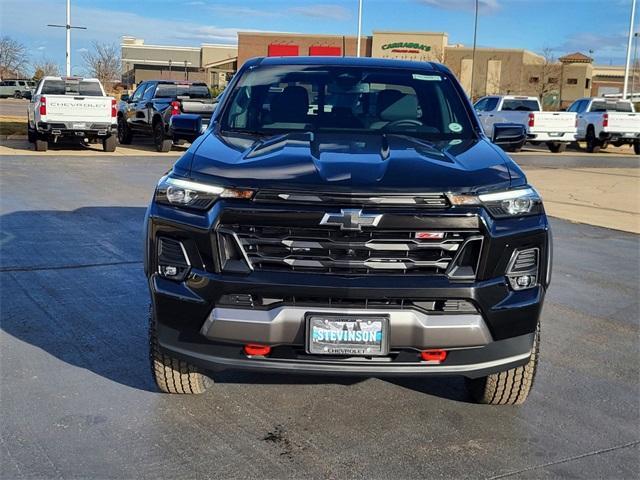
(16, 88)
(602, 121)
(347, 216)
(556, 129)
(71, 107)
(148, 112)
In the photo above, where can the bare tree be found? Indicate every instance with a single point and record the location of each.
(548, 74)
(13, 57)
(44, 68)
(103, 63)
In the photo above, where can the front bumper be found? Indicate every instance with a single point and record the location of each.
(472, 363)
(194, 323)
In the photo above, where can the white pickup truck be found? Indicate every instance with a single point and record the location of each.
(604, 120)
(556, 129)
(72, 107)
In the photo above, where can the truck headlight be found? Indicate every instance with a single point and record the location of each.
(180, 192)
(507, 203)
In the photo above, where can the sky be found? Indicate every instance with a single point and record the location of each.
(565, 26)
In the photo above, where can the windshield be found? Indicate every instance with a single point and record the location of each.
(84, 88)
(288, 98)
(167, 90)
(611, 106)
(520, 105)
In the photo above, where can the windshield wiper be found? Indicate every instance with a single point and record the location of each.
(255, 133)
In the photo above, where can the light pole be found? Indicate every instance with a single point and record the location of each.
(635, 61)
(473, 53)
(68, 28)
(626, 67)
(359, 27)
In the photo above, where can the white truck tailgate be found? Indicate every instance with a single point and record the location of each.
(78, 109)
(622, 122)
(553, 122)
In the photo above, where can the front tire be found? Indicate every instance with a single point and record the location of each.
(636, 148)
(171, 374)
(163, 144)
(125, 135)
(511, 387)
(17, 95)
(557, 147)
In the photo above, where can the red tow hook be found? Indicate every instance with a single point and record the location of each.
(254, 349)
(437, 356)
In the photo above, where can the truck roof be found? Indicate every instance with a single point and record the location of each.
(349, 61)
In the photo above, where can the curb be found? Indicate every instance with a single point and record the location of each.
(13, 137)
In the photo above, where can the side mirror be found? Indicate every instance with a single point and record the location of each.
(509, 136)
(125, 97)
(186, 126)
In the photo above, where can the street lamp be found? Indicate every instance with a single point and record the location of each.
(473, 53)
(68, 27)
(626, 67)
(359, 27)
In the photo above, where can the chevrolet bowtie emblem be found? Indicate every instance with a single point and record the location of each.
(350, 219)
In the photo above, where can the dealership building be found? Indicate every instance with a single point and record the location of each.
(210, 63)
(497, 70)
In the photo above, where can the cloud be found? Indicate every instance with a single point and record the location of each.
(326, 11)
(485, 6)
(82, 50)
(604, 46)
(231, 11)
(330, 12)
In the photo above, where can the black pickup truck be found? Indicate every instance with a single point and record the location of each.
(347, 216)
(150, 109)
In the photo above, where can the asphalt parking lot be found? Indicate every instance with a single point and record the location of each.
(77, 399)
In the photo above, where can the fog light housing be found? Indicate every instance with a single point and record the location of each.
(522, 271)
(173, 262)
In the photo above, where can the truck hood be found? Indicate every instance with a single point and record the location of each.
(349, 163)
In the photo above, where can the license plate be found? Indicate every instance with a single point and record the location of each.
(556, 134)
(79, 126)
(347, 334)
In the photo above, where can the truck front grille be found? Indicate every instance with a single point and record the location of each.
(329, 250)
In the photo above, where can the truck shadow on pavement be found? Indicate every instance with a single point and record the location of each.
(72, 285)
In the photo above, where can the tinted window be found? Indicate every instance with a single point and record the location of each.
(600, 106)
(71, 87)
(367, 100)
(167, 90)
(492, 103)
(520, 105)
(148, 92)
(137, 95)
(481, 105)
